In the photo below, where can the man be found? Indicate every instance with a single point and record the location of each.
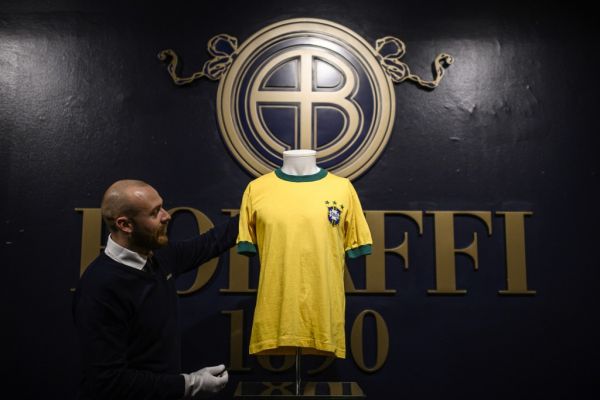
(125, 305)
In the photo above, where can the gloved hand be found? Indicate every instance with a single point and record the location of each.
(205, 382)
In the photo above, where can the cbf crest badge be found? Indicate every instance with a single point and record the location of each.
(306, 84)
(334, 214)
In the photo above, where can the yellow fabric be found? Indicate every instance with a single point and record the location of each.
(301, 300)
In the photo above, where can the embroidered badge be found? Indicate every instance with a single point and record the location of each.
(334, 213)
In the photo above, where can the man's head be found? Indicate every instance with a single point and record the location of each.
(134, 213)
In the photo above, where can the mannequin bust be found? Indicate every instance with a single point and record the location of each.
(300, 162)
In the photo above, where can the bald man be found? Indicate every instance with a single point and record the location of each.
(125, 304)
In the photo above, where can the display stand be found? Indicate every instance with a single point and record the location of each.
(298, 389)
(298, 377)
(312, 390)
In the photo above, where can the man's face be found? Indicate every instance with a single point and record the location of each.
(150, 222)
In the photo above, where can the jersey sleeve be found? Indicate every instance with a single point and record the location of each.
(246, 240)
(357, 241)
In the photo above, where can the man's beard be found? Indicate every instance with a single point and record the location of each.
(150, 241)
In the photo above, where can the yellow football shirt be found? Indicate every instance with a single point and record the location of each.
(301, 227)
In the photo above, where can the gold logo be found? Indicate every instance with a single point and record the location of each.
(306, 84)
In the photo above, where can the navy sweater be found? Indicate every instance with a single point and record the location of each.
(127, 320)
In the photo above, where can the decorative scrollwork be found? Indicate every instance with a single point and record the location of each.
(221, 47)
(389, 52)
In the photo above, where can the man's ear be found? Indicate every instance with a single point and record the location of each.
(124, 224)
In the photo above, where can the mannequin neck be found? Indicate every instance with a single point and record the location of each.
(300, 162)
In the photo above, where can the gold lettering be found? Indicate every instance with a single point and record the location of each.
(326, 363)
(516, 266)
(375, 268)
(355, 390)
(445, 252)
(335, 388)
(239, 267)
(205, 273)
(91, 231)
(349, 286)
(375, 281)
(356, 341)
(236, 340)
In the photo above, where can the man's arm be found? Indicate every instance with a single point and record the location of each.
(191, 253)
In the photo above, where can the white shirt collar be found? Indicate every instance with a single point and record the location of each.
(124, 256)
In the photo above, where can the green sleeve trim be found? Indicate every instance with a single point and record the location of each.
(359, 251)
(246, 248)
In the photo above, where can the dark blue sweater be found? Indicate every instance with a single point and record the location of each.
(127, 320)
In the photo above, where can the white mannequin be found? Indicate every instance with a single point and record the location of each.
(300, 162)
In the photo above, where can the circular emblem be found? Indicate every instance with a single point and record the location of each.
(306, 84)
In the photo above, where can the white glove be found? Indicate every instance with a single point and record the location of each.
(206, 381)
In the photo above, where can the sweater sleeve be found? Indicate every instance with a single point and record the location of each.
(191, 253)
(102, 329)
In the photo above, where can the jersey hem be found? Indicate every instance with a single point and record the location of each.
(271, 346)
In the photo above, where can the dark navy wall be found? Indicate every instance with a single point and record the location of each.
(84, 101)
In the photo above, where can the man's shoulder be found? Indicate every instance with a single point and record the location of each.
(99, 263)
(109, 282)
(101, 271)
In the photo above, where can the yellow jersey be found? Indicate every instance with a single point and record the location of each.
(301, 227)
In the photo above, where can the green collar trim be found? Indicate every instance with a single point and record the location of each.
(301, 178)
